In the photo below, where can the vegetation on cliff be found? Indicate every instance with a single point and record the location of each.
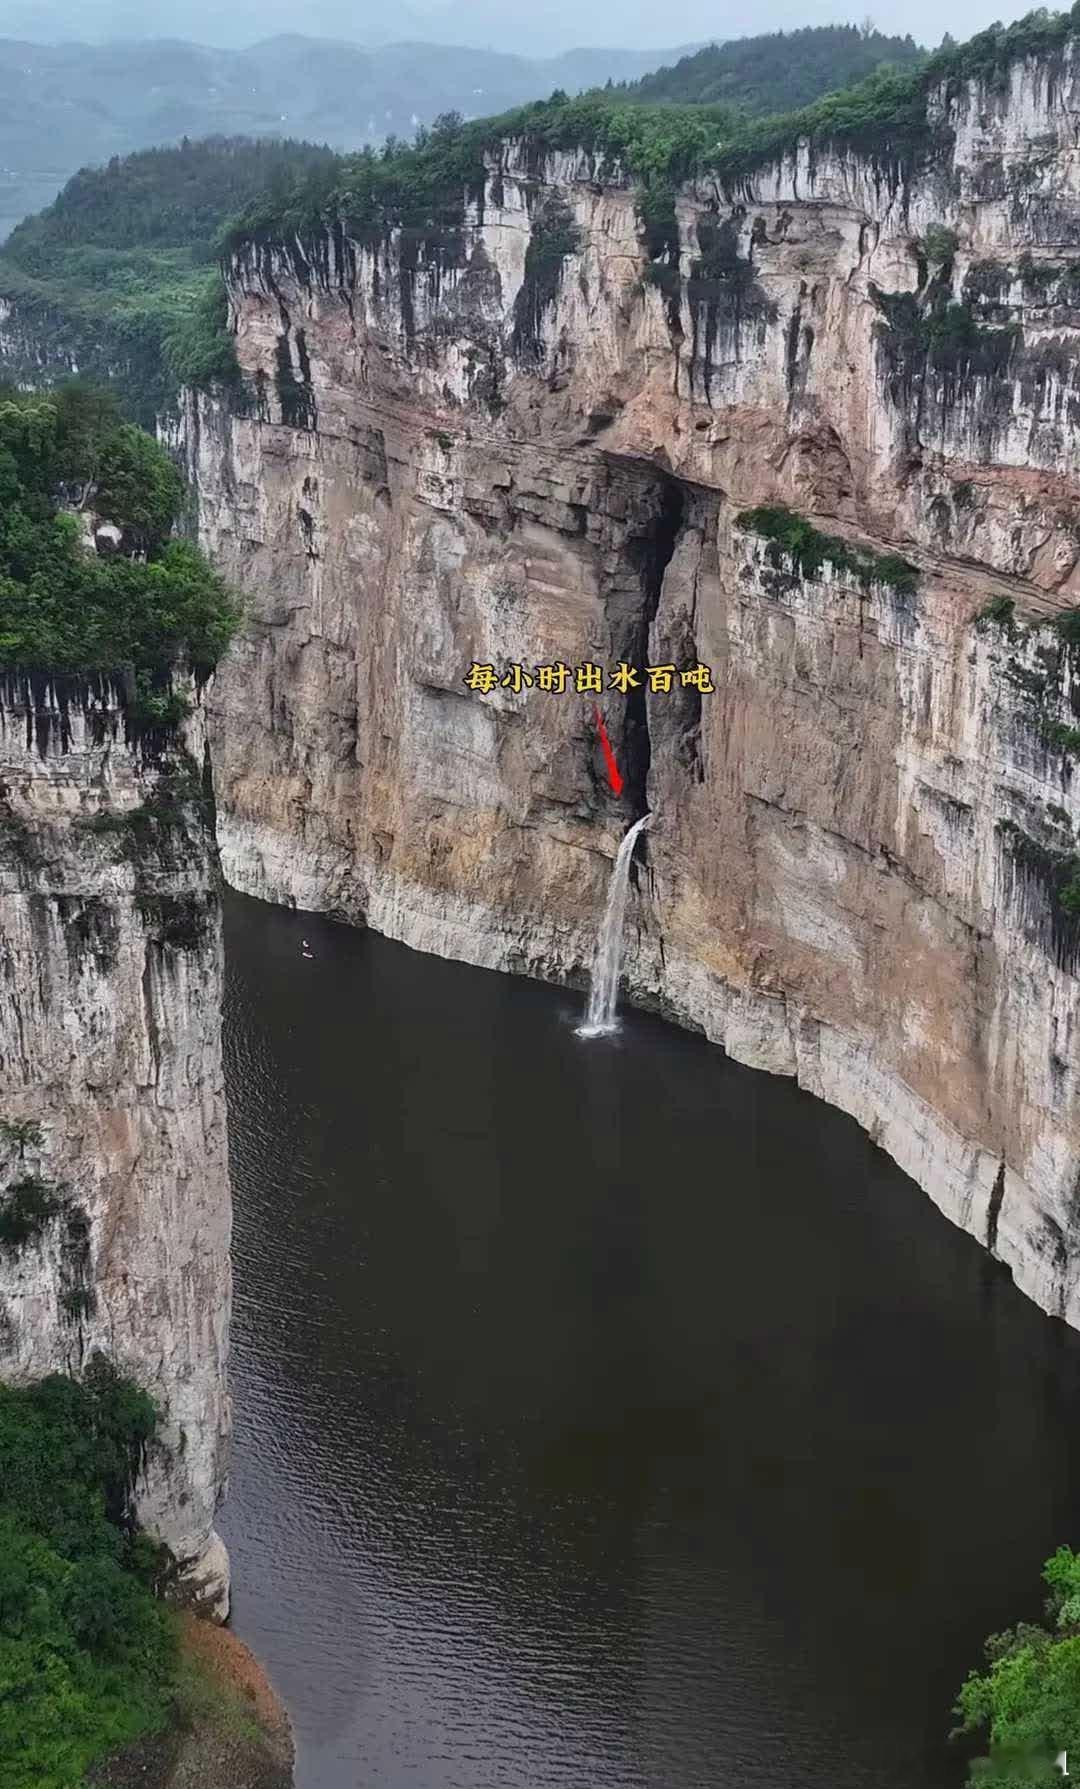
(119, 275)
(147, 606)
(886, 115)
(87, 1654)
(927, 331)
(1046, 688)
(1026, 1702)
(791, 537)
(552, 238)
(1056, 871)
(1000, 612)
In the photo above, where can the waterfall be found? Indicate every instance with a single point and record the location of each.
(604, 989)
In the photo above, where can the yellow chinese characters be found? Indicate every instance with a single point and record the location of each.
(588, 679)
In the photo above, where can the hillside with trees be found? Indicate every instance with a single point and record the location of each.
(68, 104)
(118, 277)
(658, 144)
(778, 72)
(89, 1655)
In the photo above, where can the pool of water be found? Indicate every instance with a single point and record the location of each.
(606, 1413)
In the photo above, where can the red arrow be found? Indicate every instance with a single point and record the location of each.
(614, 773)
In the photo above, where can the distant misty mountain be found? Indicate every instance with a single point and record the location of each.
(63, 106)
(234, 27)
(484, 24)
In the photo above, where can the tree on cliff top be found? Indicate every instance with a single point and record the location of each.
(151, 605)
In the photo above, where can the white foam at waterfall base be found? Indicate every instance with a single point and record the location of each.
(600, 1018)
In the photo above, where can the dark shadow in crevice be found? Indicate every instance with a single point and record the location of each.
(657, 547)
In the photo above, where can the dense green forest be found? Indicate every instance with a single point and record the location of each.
(64, 607)
(87, 1653)
(775, 73)
(119, 274)
(159, 198)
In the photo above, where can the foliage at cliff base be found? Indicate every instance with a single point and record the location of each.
(1026, 1702)
(87, 1654)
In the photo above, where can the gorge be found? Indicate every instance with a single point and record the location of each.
(760, 455)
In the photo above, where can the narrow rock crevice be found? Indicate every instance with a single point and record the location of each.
(997, 1196)
(656, 553)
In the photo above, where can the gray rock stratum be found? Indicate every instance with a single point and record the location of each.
(111, 968)
(862, 868)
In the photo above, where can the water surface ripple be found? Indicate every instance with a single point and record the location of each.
(606, 1414)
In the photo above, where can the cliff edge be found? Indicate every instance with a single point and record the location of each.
(114, 1236)
(816, 428)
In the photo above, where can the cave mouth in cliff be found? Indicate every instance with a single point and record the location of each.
(657, 548)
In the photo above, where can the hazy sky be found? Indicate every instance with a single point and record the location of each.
(537, 27)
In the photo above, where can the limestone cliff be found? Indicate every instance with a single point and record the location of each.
(523, 441)
(114, 1203)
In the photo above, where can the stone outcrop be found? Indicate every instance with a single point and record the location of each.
(114, 1199)
(34, 348)
(524, 442)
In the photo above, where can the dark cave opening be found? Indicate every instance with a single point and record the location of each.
(657, 547)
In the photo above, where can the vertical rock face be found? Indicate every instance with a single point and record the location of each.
(114, 1204)
(523, 442)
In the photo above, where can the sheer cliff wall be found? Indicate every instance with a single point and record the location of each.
(520, 442)
(114, 1214)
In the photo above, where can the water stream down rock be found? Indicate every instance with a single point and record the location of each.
(604, 991)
